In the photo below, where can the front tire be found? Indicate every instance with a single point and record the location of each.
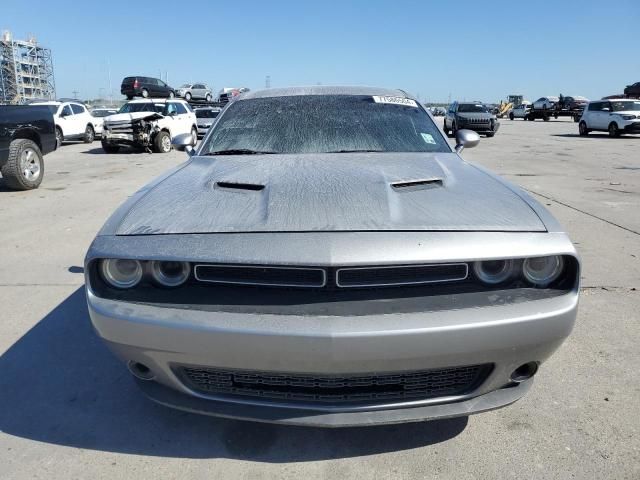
(511, 117)
(490, 134)
(172, 95)
(59, 137)
(162, 142)
(25, 166)
(582, 129)
(108, 148)
(187, 97)
(145, 93)
(614, 131)
(89, 135)
(194, 136)
(208, 98)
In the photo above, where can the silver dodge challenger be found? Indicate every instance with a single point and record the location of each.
(325, 258)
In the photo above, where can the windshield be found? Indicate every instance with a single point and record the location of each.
(203, 113)
(625, 106)
(324, 124)
(471, 108)
(141, 107)
(101, 113)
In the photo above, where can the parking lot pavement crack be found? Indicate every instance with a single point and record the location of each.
(635, 232)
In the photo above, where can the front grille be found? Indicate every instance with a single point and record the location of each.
(264, 276)
(404, 275)
(120, 127)
(331, 278)
(372, 388)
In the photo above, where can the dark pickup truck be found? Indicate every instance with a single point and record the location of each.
(27, 133)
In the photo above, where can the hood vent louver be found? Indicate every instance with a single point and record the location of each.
(253, 187)
(422, 183)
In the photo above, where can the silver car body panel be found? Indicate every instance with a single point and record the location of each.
(360, 189)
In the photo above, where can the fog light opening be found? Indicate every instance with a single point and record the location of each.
(524, 372)
(140, 370)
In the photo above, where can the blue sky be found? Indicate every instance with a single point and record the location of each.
(469, 49)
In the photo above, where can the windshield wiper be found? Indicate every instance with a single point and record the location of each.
(355, 151)
(239, 151)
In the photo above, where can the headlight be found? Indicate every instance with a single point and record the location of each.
(541, 271)
(493, 272)
(170, 273)
(629, 117)
(121, 273)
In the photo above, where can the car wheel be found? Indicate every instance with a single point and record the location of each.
(187, 96)
(109, 148)
(129, 97)
(145, 93)
(194, 136)
(576, 118)
(171, 94)
(24, 168)
(582, 129)
(59, 137)
(545, 117)
(208, 98)
(490, 134)
(89, 134)
(162, 143)
(614, 131)
(511, 117)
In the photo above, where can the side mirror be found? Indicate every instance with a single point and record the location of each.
(466, 139)
(184, 143)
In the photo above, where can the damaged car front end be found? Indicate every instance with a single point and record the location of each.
(138, 133)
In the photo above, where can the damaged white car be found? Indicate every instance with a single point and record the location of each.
(149, 125)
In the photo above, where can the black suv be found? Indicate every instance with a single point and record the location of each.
(470, 115)
(146, 87)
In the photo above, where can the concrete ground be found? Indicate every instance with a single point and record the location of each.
(69, 410)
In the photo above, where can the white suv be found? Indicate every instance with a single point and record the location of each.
(616, 116)
(149, 124)
(73, 121)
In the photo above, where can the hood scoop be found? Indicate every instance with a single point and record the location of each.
(252, 187)
(419, 184)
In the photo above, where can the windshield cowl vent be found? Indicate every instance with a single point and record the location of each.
(419, 184)
(253, 187)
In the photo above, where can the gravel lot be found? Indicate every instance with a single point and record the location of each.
(68, 409)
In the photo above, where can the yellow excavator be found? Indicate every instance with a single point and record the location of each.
(512, 102)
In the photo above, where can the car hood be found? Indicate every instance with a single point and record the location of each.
(127, 117)
(627, 112)
(330, 192)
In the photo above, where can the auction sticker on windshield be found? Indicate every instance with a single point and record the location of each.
(406, 102)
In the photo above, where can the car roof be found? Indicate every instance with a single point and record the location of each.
(323, 90)
(156, 100)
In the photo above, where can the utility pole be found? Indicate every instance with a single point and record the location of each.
(75, 94)
(267, 81)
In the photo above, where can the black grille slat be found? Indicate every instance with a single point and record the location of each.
(345, 389)
(401, 275)
(266, 276)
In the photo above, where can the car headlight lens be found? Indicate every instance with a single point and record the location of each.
(493, 272)
(628, 117)
(170, 273)
(121, 273)
(541, 271)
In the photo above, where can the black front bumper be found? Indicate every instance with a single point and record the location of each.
(633, 128)
(480, 127)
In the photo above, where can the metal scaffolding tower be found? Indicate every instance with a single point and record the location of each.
(26, 70)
